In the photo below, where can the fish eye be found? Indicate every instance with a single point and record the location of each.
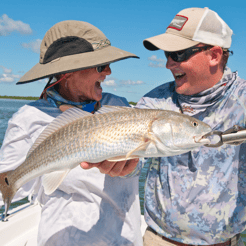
(195, 123)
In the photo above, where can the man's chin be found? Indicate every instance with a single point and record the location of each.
(98, 97)
(178, 89)
(182, 90)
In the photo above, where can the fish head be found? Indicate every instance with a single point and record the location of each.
(179, 133)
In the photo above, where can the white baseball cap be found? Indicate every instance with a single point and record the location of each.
(190, 27)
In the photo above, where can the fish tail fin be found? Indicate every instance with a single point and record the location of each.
(7, 191)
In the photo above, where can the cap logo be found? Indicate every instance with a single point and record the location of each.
(178, 22)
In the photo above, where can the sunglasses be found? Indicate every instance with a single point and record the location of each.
(184, 55)
(101, 68)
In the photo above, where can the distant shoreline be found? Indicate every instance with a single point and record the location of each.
(19, 97)
(33, 98)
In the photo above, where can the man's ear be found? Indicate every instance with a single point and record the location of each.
(216, 54)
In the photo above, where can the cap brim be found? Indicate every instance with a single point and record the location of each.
(75, 62)
(168, 42)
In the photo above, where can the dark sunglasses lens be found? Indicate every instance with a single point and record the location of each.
(173, 55)
(101, 68)
(179, 56)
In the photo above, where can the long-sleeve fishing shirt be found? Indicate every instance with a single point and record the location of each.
(200, 197)
(88, 208)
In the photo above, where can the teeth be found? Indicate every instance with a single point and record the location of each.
(100, 81)
(178, 74)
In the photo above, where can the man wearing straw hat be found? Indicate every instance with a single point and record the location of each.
(86, 209)
(198, 198)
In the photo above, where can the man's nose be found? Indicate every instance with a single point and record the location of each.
(171, 63)
(107, 70)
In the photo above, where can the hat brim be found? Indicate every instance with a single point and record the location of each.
(76, 62)
(168, 42)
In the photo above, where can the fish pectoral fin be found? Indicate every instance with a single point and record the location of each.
(122, 158)
(139, 148)
(51, 181)
(151, 149)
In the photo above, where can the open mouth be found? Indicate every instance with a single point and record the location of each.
(98, 84)
(179, 75)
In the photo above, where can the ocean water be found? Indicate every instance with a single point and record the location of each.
(8, 107)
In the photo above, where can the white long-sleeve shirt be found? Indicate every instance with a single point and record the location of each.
(88, 208)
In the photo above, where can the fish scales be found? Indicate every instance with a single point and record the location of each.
(117, 131)
(121, 133)
(109, 137)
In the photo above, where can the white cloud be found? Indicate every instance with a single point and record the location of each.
(7, 75)
(6, 70)
(8, 25)
(33, 45)
(115, 83)
(154, 58)
(152, 64)
(130, 82)
(6, 78)
(45, 80)
(156, 62)
(110, 82)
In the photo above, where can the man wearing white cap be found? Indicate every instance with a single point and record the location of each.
(198, 198)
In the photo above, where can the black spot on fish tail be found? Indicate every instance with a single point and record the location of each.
(7, 189)
(6, 181)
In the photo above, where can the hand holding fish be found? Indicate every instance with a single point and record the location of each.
(119, 168)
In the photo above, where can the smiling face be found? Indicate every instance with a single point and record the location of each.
(83, 85)
(195, 74)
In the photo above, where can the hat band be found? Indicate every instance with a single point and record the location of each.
(102, 43)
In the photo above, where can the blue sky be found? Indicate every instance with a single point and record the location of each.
(126, 24)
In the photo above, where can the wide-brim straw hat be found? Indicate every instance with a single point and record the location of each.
(71, 45)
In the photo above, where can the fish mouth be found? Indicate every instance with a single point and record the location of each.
(197, 140)
(201, 140)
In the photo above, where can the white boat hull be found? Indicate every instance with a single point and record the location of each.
(21, 229)
(22, 226)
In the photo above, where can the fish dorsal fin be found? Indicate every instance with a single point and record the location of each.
(51, 181)
(63, 119)
(107, 108)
